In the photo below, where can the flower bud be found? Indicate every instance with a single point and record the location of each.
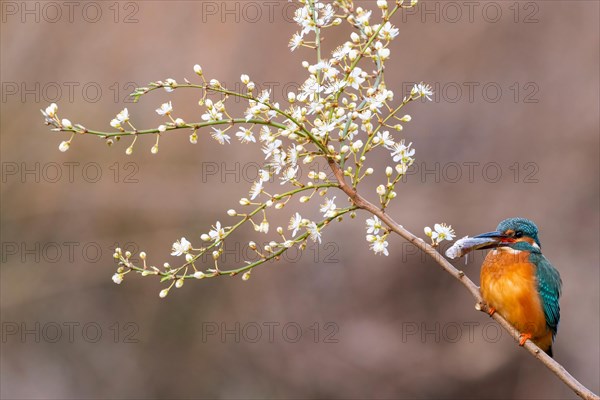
(51, 110)
(388, 171)
(64, 146)
(401, 169)
(199, 275)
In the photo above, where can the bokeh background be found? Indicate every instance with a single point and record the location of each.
(370, 326)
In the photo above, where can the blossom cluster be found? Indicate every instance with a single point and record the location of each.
(342, 111)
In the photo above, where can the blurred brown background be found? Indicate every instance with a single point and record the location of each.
(395, 327)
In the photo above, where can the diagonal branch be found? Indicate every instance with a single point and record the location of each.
(480, 304)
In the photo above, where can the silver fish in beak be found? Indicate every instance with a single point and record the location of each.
(468, 244)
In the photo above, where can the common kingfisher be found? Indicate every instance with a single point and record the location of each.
(519, 283)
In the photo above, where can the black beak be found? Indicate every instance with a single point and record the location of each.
(491, 240)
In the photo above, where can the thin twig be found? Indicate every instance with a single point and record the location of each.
(480, 305)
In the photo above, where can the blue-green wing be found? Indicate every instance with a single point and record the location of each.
(549, 288)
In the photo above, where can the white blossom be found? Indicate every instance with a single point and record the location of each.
(356, 78)
(362, 17)
(271, 148)
(403, 153)
(165, 109)
(384, 138)
(212, 114)
(263, 227)
(256, 189)
(374, 225)
(295, 223)
(387, 32)
(378, 244)
(220, 136)
(245, 135)
(422, 90)
(329, 208)
(295, 42)
(217, 233)
(264, 176)
(181, 247)
(289, 174)
(314, 232)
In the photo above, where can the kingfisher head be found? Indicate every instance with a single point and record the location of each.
(510, 232)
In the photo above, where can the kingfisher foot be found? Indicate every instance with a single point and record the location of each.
(491, 311)
(523, 337)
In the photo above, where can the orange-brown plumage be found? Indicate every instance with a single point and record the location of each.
(509, 285)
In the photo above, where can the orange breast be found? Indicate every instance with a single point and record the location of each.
(508, 284)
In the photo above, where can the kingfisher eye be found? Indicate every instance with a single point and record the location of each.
(518, 234)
